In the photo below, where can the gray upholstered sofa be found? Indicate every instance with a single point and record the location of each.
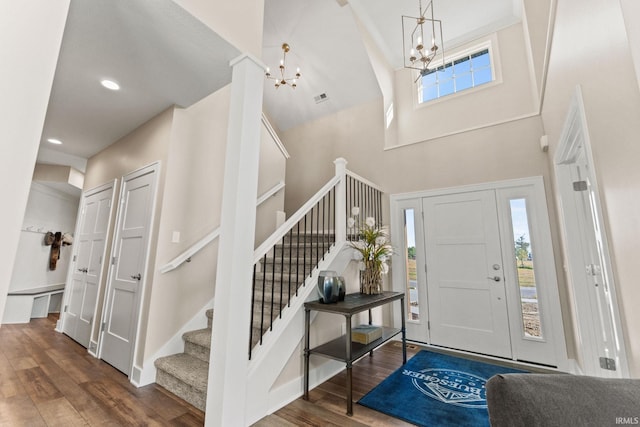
(562, 400)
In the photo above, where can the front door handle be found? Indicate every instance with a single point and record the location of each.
(495, 278)
(137, 276)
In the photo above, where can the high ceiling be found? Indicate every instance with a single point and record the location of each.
(161, 56)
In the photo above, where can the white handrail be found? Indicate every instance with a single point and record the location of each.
(300, 213)
(195, 248)
(272, 192)
(364, 181)
(210, 237)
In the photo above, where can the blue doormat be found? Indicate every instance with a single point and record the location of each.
(434, 389)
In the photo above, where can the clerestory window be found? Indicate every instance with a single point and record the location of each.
(460, 74)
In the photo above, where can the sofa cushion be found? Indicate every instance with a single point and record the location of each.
(561, 399)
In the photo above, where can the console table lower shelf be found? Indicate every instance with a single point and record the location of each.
(343, 348)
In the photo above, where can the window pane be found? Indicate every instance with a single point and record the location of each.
(462, 65)
(525, 268)
(446, 87)
(463, 81)
(413, 311)
(429, 93)
(481, 59)
(481, 76)
(446, 73)
(429, 79)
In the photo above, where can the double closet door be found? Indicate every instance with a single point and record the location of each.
(477, 266)
(106, 320)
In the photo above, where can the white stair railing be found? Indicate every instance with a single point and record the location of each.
(303, 241)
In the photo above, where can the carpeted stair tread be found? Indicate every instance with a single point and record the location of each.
(201, 337)
(186, 368)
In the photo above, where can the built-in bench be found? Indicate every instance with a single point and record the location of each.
(26, 304)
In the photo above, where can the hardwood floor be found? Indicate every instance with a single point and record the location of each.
(327, 402)
(47, 379)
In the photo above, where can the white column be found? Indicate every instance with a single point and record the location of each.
(227, 390)
(30, 39)
(341, 201)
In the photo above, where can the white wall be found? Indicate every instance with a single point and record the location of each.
(30, 38)
(510, 97)
(147, 144)
(631, 12)
(507, 151)
(238, 21)
(192, 206)
(584, 30)
(47, 210)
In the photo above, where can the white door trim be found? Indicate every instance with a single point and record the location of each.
(146, 276)
(573, 142)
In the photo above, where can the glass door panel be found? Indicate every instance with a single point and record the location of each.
(525, 267)
(411, 277)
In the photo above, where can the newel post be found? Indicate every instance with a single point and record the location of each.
(227, 391)
(341, 200)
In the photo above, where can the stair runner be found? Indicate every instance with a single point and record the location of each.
(186, 374)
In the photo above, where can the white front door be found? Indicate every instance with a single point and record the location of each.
(465, 280)
(478, 269)
(86, 270)
(128, 267)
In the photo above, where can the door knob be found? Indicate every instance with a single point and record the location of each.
(137, 277)
(495, 278)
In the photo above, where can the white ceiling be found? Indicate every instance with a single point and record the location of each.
(327, 45)
(158, 53)
(162, 56)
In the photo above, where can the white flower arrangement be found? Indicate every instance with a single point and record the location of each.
(372, 251)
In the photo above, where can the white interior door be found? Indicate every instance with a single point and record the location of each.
(589, 268)
(128, 267)
(590, 272)
(86, 270)
(465, 280)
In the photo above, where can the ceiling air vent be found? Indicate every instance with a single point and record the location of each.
(321, 98)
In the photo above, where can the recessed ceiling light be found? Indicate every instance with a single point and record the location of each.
(110, 84)
(54, 141)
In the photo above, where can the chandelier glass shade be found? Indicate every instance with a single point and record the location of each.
(422, 39)
(281, 80)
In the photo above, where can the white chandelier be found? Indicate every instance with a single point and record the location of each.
(282, 80)
(421, 39)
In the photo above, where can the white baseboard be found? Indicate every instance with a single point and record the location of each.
(574, 367)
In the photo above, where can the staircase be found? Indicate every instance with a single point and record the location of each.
(186, 374)
(280, 275)
(276, 282)
(283, 262)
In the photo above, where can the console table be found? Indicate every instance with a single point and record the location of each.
(342, 348)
